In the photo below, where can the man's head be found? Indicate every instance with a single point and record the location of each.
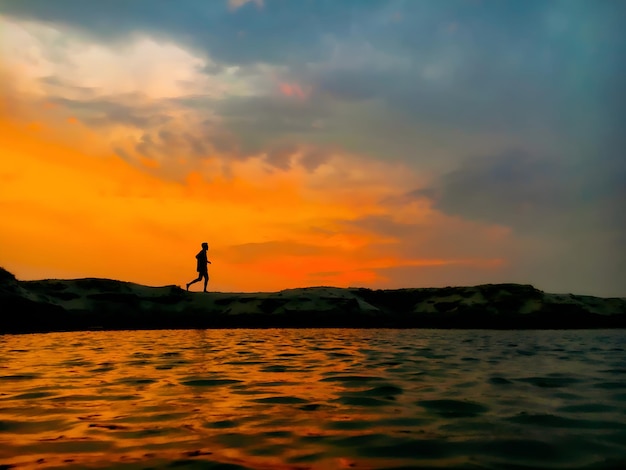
(205, 246)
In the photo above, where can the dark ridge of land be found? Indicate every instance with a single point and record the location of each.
(94, 304)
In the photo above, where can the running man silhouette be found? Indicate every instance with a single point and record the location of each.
(202, 268)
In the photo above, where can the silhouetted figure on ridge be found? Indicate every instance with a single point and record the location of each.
(202, 268)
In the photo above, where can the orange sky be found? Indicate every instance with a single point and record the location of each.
(72, 208)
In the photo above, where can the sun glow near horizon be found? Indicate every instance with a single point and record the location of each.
(74, 210)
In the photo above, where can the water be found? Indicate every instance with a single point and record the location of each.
(314, 399)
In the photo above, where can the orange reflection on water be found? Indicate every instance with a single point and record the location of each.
(253, 397)
(314, 399)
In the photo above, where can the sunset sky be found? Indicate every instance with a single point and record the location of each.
(382, 144)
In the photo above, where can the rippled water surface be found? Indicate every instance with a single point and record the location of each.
(318, 399)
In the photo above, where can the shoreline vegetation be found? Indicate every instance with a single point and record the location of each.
(54, 305)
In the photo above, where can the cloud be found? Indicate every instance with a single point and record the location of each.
(514, 188)
(397, 86)
(121, 110)
(210, 28)
(537, 196)
(261, 120)
(385, 127)
(59, 62)
(281, 156)
(293, 89)
(236, 4)
(426, 234)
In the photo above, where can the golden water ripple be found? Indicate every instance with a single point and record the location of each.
(313, 399)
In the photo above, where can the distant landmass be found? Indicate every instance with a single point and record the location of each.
(93, 304)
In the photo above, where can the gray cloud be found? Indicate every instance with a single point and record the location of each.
(423, 239)
(271, 115)
(125, 109)
(312, 158)
(281, 156)
(514, 188)
(492, 67)
(247, 35)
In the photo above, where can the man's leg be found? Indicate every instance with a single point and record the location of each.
(206, 280)
(194, 281)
